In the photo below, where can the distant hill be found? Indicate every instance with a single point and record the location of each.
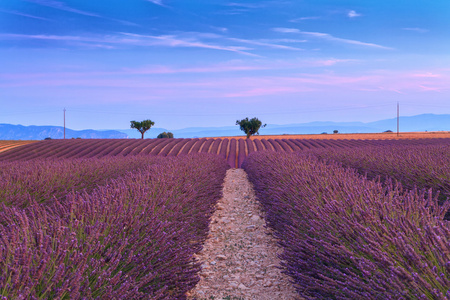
(19, 132)
(424, 122)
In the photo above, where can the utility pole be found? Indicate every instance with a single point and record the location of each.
(64, 123)
(398, 118)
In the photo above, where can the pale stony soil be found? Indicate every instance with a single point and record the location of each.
(239, 259)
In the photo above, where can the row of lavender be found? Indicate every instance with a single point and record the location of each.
(44, 180)
(421, 166)
(345, 236)
(131, 238)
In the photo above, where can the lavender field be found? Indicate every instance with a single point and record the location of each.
(122, 228)
(346, 236)
(108, 219)
(415, 166)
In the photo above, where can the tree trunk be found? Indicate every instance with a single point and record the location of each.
(142, 135)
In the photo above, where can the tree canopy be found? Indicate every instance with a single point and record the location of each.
(143, 126)
(251, 126)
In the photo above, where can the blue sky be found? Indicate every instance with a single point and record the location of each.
(184, 63)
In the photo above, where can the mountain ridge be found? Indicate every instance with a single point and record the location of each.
(33, 132)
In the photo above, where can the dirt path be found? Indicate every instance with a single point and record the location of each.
(240, 258)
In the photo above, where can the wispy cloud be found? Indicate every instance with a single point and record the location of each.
(420, 30)
(174, 41)
(221, 29)
(288, 41)
(294, 84)
(304, 19)
(23, 14)
(286, 30)
(219, 68)
(430, 88)
(43, 37)
(353, 14)
(264, 91)
(225, 67)
(245, 5)
(415, 81)
(265, 44)
(62, 6)
(157, 2)
(252, 84)
(79, 41)
(329, 37)
(331, 62)
(236, 8)
(426, 75)
(124, 72)
(131, 39)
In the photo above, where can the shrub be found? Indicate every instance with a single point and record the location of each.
(165, 135)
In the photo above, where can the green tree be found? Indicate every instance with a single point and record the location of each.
(165, 135)
(251, 126)
(143, 126)
(335, 131)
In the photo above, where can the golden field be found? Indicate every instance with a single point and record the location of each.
(357, 136)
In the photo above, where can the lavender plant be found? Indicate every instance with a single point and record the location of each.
(345, 236)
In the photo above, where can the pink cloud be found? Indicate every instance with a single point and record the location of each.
(429, 88)
(427, 74)
(209, 69)
(161, 69)
(229, 66)
(233, 85)
(265, 91)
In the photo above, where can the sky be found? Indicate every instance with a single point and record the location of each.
(208, 63)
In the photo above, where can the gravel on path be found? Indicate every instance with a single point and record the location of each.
(239, 258)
